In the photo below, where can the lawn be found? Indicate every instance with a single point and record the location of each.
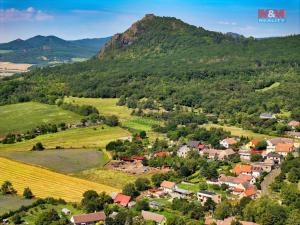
(24, 116)
(45, 183)
(237, 131)
(88, 137)
(9, 203)
(64, 161)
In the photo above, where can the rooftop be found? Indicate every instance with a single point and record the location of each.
(88, 218)
(153, 216)
(167, 184)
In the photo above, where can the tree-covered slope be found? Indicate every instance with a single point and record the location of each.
(170, 61)
(44, 49)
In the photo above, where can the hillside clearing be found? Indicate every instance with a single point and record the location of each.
(88, 137)
(45, 183)
(237, 131)
(22, 117)
(64, 161)
(108, 107)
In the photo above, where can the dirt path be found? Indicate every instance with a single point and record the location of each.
(268, 180)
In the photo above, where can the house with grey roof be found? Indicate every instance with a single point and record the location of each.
(266, 116)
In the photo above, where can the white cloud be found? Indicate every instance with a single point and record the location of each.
(29, 14)
(227, 23)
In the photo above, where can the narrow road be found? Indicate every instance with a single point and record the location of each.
(268, 180)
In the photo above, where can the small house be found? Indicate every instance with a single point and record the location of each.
(168, 186)
(202, 196)
(180, 193)
(242, 169)
(275, 141)
(66, 211)
(183, 151)
(245, 155)
(267, 116)
(88, 219)
(228, 142)
(293, 134)
(161, 154)
(275, 157)
(157, 218)
(284, 148)
(121, 199)
(252, 144)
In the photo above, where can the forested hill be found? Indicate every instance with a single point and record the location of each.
(45, 49)
(165, 59)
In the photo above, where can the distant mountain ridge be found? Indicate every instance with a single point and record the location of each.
(46, 49)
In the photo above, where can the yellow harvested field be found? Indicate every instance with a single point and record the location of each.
(14, 66)
(8, 68)
(45, 183)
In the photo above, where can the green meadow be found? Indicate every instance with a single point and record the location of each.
(88, 137)
(108, 106)
(25, 116)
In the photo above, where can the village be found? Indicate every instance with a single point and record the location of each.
(256, 159)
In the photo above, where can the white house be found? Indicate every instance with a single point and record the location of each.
(202, 196)
(183, 151)
(227, 142)
(168, 186)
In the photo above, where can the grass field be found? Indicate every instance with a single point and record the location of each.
(237, 131)
(45, 183)
(88, 137)
(64, 161)
(8, 203)
(24, 116)
(107, 106)
(111, 177)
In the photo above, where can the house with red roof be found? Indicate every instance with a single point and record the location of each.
(138, 158)
(121, 199)
(284, 148)
(252, 144)
(87, 219)
(161, 154)
(242, 169)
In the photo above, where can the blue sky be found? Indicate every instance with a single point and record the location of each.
(75, 19)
